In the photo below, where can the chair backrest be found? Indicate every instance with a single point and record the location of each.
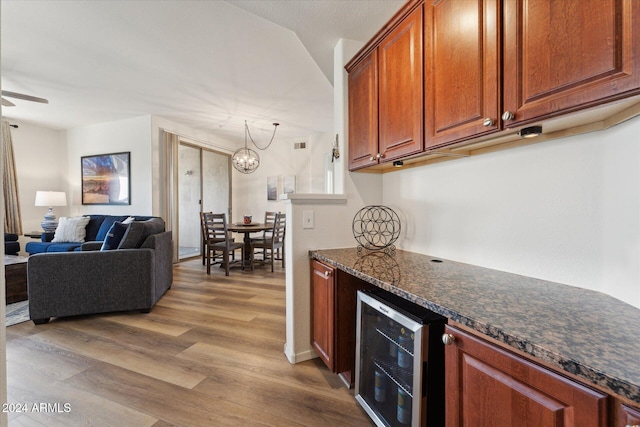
(269, 218)
(203, 227)
(279, 227)
(216, 227)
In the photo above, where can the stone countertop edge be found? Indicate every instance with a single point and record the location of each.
(598, 374)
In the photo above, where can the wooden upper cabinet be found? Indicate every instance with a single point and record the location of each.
(564, 55)
(462, 59)
(400, 89)
(363, 112)
(487, 386)
(386, 94)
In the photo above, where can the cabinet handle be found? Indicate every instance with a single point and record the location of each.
(448, 339)
(488, 122)
(327, 273)
(508, 115)
(372, 158)
(379, 156)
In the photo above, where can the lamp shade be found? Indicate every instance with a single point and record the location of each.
(51, 198)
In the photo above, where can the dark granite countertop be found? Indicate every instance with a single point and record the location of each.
(583, 332)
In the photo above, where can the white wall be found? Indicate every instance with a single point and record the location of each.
(280, 159)
(133, 135)
(566, 210)
(41, 164)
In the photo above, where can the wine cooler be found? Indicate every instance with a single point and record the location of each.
(399, 361)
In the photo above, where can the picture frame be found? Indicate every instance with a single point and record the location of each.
(106, 179)
(272, 188)
(289, 184)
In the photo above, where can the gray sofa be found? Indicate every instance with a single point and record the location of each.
(98, 281)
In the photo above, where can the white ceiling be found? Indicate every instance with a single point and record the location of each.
(209, 65)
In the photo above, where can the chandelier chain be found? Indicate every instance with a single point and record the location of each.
(275, 127)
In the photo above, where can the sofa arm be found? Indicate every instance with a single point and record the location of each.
(74, 283)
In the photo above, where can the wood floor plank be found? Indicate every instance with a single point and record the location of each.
(144, 362)
(83, 407)
(170, 403)
(149, 323)
(209, 353)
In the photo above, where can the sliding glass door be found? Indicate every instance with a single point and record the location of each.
(204, 185)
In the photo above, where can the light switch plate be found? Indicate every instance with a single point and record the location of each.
(307, 219)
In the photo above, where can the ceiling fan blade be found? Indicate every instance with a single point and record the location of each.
(7, 103)
(25, 97)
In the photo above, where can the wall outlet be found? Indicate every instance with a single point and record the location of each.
(307, 219)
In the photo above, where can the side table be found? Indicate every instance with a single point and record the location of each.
(15, 277)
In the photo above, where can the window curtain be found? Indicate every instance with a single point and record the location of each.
(170, 155)
(12, 217)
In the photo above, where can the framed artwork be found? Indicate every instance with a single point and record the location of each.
(106, 179)
(289, 184)
(272, 188)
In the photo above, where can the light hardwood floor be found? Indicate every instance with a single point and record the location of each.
(210, 353)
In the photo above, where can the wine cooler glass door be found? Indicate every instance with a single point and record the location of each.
(386, 372)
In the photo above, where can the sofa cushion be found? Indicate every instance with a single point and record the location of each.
(114, 236)
(106, 226)
(138, 231)
(94, 226)
(71, 230)
(62, 247)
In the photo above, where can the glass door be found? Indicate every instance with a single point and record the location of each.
(204, 185)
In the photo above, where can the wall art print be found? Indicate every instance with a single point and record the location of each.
(272, 188)
(106, 179)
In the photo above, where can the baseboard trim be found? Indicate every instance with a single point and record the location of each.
(294, 358)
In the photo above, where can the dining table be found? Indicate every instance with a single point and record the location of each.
(247, 229)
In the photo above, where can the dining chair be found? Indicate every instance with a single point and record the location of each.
(218, 238)
(273, 243)
(269, 218)
(203, 229)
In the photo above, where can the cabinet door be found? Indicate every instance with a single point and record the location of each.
(487, 386)
(363, 113)
(628, 416)
(563, 55)
(400, 89)
(323, 312)
(462, 88)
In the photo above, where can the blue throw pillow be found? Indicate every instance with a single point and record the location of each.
(114, 236)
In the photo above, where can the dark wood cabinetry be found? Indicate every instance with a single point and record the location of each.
(487, 386)
(334, 298)
(323, 287)
(385, 97)
(487, 66)
(565, 55)
(400, 90)
(462, 58)
(627, 416)
(363, 112)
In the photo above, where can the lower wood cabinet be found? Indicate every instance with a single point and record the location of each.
(323, 336)
(487, 386)
(333, 317)
(627, 416)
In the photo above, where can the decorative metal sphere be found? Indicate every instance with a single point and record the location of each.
(245, 160)
(376, 227)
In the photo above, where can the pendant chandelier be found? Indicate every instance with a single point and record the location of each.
(246, 160)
